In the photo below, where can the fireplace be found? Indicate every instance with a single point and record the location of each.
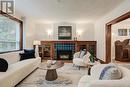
(64, 55)
(64, 51)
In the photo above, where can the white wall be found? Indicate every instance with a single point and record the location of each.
(88, 31)
(28, 30)
(86, 28)
(100, 26)
(41, 31)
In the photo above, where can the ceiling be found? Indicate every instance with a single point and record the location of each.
(65, 10)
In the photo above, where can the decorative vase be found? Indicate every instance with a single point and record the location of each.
(49, 62)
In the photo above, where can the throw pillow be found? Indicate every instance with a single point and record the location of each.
(3, 65)
(110, 72)
(82, 53)
(24, 56)
(29, 50)
(86, 58)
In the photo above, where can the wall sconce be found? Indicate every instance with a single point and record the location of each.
(49, 32)
(79, 33)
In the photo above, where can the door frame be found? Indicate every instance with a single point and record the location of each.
(109, 33)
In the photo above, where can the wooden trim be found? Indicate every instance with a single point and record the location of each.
(21, 35)
(21, 27)
(10, 17)
(108, 34)
(65, 41)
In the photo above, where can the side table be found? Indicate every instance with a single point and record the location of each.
(89, 67)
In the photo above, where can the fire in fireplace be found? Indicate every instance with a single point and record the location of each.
(64, 51)
(64, 55)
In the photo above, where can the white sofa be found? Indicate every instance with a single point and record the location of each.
(17, 70)
(93, 80)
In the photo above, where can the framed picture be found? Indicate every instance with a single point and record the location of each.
(64, 32)
(122, 32)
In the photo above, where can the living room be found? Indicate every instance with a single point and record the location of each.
(64, 43)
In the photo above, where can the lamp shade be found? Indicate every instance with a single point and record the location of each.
(36, 42)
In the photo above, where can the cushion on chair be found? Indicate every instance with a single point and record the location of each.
(82, 53)
(110, 72)
(86, 57)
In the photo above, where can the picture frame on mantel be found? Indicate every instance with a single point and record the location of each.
(64, 32)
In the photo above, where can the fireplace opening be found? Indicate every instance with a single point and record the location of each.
(64, 51)
(64, 55)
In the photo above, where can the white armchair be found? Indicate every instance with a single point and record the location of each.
(93, 80)
(81, 61)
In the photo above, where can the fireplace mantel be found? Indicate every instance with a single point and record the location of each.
(64, 41)
(47, 49)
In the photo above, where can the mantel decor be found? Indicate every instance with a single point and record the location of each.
(64, 32)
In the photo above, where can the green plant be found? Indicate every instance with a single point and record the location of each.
(91, 56)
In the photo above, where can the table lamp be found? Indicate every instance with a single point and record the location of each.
(36, 43)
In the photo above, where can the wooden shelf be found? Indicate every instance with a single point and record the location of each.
(47, 48)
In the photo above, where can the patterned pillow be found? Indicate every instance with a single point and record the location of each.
(110, 72)
(82, 53)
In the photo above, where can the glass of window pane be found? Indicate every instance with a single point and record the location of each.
(9, 34)
(122, 32)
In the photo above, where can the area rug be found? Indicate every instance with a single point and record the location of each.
(68, 76)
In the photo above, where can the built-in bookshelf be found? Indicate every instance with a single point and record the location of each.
(62, 50)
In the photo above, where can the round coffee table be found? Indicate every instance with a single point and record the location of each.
(51, 71)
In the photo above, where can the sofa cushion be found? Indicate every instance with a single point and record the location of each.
(28, 55)
(3, 65)
(110, 72)
(85, 81)
(29, 51)
(86, 57)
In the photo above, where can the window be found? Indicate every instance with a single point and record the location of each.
(122, 32)
(10, 34)
(129, 32)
